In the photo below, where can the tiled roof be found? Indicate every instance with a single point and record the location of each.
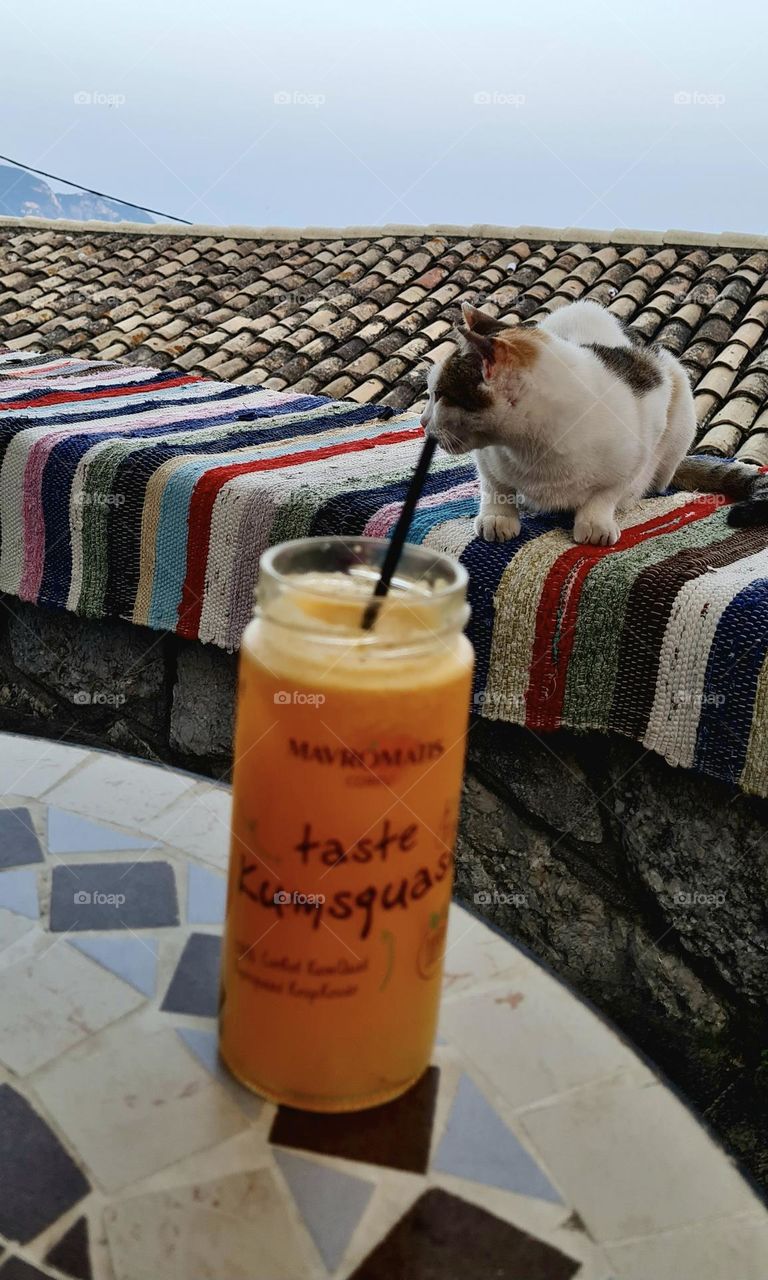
(361, 312)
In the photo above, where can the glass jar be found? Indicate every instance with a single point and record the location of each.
(349, 754)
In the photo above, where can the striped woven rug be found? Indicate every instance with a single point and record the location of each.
(126, 492)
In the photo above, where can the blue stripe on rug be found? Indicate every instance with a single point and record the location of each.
(735, 660)
(348, 513)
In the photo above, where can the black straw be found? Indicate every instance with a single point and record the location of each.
(397, 540)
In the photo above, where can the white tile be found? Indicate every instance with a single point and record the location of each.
(119, 790)
(133, 1101)
(476, 956)
(633, 1161)
(232, 1229)
(52, 1001)
(29, 945)
(532, 1039)
(198, 824)
(13, 927)
(29, 766)
(730, 1250)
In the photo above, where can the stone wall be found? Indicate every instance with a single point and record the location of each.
(643, 886)
(116, 685)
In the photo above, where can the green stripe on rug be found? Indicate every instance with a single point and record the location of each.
(596, 653)
(754, 775)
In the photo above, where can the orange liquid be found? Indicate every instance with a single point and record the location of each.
(330, 998)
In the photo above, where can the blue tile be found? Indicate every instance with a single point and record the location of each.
(18, 892)
(39, 1178)
(331, 1203)
(72, 1254)
(18, 1269)
(18, 839)
(69, 833)
(194, 987)
(132, 959)
(206, 896)
(113, 895)
(479, 1146)
(396, 1134)
(442, 1235)
(205, 1047)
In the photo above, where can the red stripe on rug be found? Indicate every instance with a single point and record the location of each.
(132, 388)
(201, 511)
(545, 695)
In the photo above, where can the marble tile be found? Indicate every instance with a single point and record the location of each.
(134, 1101)
(69, 833)
(735, 1249)
(53, 1001)
(442, 1235)
(30, 766)
(18, 893)
(397, 1134)
(18, 839)
(72, 1253)
(39, 1179)
(234, 1228)
(533, 1039)
(194, 987)
(133, 959)
(206, 895)
(331, 1203)
(114, 789)
(198, 823)
(113, 895)
(633, 1161)
(478, 1145)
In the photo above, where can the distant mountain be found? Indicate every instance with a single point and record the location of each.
(22, 195)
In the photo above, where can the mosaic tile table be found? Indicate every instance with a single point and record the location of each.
(538, 1146)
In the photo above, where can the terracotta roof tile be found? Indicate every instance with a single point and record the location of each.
(370, 390)
(362, 314)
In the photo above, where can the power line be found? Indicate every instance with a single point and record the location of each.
(91, 192)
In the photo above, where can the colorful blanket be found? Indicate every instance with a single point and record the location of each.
(125, 492)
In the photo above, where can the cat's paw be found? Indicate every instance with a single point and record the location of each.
(494, 526)
(598, 531)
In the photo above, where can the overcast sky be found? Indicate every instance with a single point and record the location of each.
(595, 113)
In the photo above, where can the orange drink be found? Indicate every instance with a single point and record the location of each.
(349, 755)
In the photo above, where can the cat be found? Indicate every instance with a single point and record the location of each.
(572, 414)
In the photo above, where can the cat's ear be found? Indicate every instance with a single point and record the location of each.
(472, 317)
(486, 347)
(480, 322)
(509, 350)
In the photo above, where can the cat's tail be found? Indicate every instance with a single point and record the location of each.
(740, 480)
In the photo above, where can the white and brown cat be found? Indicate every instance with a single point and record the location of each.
(571, 415)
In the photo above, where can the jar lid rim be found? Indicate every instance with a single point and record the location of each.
(456, 579)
